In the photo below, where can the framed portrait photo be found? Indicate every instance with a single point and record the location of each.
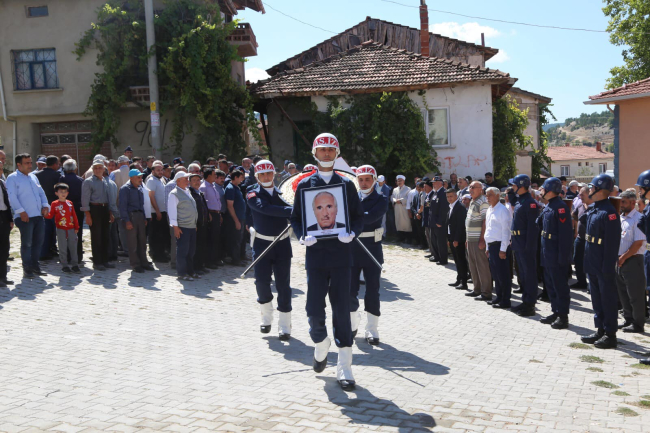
(325, 211)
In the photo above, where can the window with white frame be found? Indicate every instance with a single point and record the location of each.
(564, 170)
(602, 167)
(436, 125)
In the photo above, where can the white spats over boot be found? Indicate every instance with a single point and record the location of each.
(355, 318)
(267, 317)
(372, 334)
(344, 369)
(320, 354)
(284, 325)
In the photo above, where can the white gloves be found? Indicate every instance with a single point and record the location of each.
(308, 241)
(346, 238)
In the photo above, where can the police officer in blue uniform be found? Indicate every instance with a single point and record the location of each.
(329, 264)
(374, 206)
(270, 216)
(525, 235)
(643, 182)
(603, 236)
(557, 236)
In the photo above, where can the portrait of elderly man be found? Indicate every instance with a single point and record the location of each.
(325, 210)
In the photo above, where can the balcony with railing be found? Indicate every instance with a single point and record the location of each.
(244, 38)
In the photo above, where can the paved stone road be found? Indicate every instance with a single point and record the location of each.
(109, 352)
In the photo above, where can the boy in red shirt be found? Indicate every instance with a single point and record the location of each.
(67, 226)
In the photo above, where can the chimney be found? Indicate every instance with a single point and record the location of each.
(424, 28)
(599, 146)
(483, 39)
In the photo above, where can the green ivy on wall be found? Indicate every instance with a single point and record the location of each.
(194, 73)
(508, 136)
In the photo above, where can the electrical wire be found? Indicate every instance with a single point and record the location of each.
(497, 20)
(266, 4)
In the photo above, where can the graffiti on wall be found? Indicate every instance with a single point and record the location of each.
(451, 163)
(143, 127)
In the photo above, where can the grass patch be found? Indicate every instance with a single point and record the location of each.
(592, 359)
(535, 361)
(641, 366)
(604, 384)
(643, 403)
(596, 369)
(620, 393)
(580, 346)
(626, 411)
(647, 396)
(627, 356)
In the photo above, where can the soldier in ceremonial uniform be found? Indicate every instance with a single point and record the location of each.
(270, 217)
(603, 236)
(557, 236)
(644, 224)
(329, 264)
(374, 206)
(525, 236)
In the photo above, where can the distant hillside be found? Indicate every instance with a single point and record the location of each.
(584, 130)
(551, 125)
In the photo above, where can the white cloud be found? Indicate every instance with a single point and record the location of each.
(501, 57)
(256, 74)
(468, 32)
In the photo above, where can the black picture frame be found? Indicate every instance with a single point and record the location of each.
(309, 218)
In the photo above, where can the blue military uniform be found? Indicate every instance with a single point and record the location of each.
(525, 235)
(557, 236)
(328, 264)
(270, 217)
(603, 237)
(374, 206)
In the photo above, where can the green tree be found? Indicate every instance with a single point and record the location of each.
(509, 124)
(541, 160)
(194, 64)
(629, 27)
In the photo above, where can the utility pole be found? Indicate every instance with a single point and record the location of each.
(156, 139)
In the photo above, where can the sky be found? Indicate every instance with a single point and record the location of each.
(567, 66)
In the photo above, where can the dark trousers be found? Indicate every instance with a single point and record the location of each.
(31, 241)
(49, 237)
(159, 237)
(557, 287)
(201, 251)
(631, 281)
(233, 238)
(214, 236)
(185, 246)
(579, 260)
(136, 239)
(113, 238)
(334, 282)
(371, 299)
(527, 265)
(460, 259)
(439, 242)
(99, 233)
(428, 233)
(604, 299)
(281, 269)
(500, 269)
(5, 230)
(80, 247)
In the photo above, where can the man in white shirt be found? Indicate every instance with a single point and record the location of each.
(497, 238)
(630, 276)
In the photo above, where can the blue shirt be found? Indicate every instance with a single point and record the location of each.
(131, 200)
(222, 193)
(234, 193)
(26, 195)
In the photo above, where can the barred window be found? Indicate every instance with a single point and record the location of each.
(35, 69)
(37, 11)
(68, 138)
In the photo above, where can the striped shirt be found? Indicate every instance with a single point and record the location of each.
(630, 233)
(475, 218)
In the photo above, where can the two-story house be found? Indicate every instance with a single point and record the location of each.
(44, 88)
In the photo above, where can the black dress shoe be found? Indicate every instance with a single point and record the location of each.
(7, 282)
(372, 341)
(212, 266)
(122, 254)
(544, 296)
(66, 269)
(354, 334)
(138, 270)
(265, 329)
(634, 328)
(441, 263)
(562, 322)
(319, 367)
(463, 286)
(284, 337)
(99, 267)
(645, 361)
(38, 272)
(496, 300)
(472, 294)
(526, 311)
(28, 274)
(456, 284)
(578, 286)
(592, 338)
(549, 319)
(148, 268)
(501, 306)
(483, 298)
(607, 341)
(434, 260)
(624, 324)
(517, 290)
(347, 385)
(76, 269)
(109, 265)
(428, 256)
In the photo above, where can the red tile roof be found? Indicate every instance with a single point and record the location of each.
(638, 88)
(573, 153)
(373, 67)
